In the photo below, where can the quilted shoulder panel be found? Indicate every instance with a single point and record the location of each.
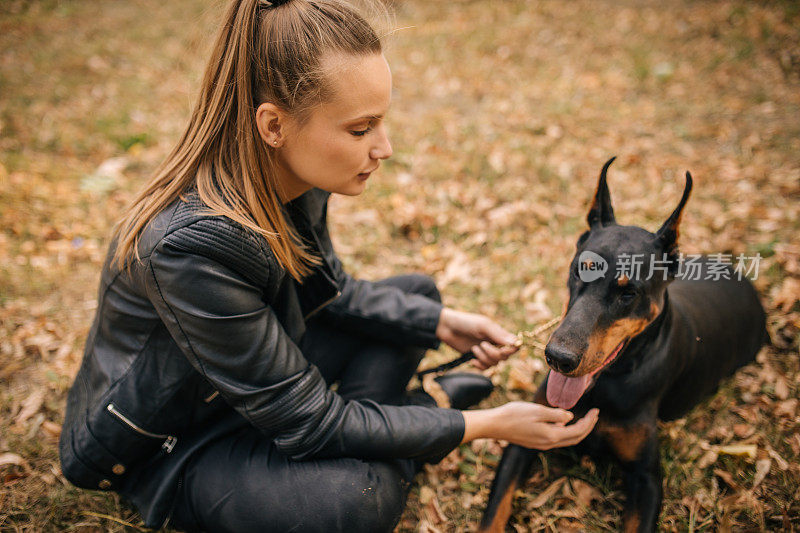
(189, 209)
(230, 244)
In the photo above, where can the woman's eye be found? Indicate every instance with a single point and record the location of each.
(359, 133)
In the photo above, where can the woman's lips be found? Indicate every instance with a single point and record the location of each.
(365, 175)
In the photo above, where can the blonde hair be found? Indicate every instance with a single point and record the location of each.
(264, 52)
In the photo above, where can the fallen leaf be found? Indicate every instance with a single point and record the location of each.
(537, 312)
(727, 477)
(432, 387)
(788, 293)
(51, 429)
(13, 459)
(427, 527)
(567, 525)
(782, 464)
(786, 408)
(587, 464)
(781, 388)
(522, 373)
(426, 494)
(30, 406)
(748, 450)
(585, 493)
(762, 469)
(458, 269)
(547, 493)
(434, 512)
(732, 501)
(106, 177)
(795, 444)
(708, 458)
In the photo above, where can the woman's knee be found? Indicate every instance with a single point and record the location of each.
(374, 497)
(415, 284)
(337, 495)
(429, 288)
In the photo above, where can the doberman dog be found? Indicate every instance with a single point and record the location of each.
(640, 350)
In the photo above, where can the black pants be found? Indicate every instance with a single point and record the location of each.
(242, 483)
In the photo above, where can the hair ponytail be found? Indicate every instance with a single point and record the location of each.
(264, 52)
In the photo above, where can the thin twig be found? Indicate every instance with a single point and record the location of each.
(113, 519)
(530, 335)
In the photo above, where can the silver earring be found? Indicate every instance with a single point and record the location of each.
(274, 142)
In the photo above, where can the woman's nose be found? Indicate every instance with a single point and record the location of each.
(383, 148)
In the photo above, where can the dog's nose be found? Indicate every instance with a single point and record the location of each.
(560, 359)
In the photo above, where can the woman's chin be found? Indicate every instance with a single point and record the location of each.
(353, 188)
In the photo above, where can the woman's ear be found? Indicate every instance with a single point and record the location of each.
(270, 121)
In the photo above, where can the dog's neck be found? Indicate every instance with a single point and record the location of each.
(641, 344)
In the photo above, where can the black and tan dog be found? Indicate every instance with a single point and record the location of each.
(640, 350)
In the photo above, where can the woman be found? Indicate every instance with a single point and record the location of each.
(224, 314)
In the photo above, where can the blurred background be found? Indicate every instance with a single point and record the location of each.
(503, 114)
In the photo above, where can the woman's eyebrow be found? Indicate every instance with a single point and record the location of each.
(367, 117)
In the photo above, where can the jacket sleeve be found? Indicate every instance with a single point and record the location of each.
(385, 312)
(380, 311)
(220, 320)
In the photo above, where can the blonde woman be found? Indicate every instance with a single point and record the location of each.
(224, 314)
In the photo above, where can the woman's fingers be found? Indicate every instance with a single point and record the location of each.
(541, 427)
(489, 341)
(574, 433)
(489, 354)
(477, 364)
(493, 352)
(506, 351)
(553, 414)
(497, 334)
(482, 360)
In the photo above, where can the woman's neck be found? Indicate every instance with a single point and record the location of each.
(290, 186)
(292, 193)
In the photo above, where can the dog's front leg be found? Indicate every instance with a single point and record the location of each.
(636, 447)
(643, 480)
(511, 475)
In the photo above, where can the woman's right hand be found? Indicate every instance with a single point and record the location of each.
(528, 424)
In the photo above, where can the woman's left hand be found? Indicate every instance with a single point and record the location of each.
(470, 332)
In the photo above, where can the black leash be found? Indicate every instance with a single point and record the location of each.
(460, 360)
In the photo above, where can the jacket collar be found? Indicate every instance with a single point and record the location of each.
(311, 205)
(308, 213)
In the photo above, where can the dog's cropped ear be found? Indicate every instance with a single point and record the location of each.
(582, 238)
(667, 235)
(601, 213)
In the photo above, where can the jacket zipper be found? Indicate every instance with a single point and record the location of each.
(170, 441)
(323, 304)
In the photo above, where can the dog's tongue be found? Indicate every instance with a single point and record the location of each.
(565, 392)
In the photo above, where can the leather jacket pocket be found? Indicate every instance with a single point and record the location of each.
(168, 441)
(105, 446)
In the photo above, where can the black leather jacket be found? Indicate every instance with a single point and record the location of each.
(200, 338)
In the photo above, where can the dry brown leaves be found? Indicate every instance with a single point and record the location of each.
(503, 113)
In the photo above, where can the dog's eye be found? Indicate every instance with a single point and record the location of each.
(627, 295)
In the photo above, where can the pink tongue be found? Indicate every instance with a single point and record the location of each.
(565, 392)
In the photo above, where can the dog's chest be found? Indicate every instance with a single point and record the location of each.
(621, 397)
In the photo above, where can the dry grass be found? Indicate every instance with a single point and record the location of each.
(503, 114)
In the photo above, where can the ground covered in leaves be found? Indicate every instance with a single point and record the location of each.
(503, 114)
